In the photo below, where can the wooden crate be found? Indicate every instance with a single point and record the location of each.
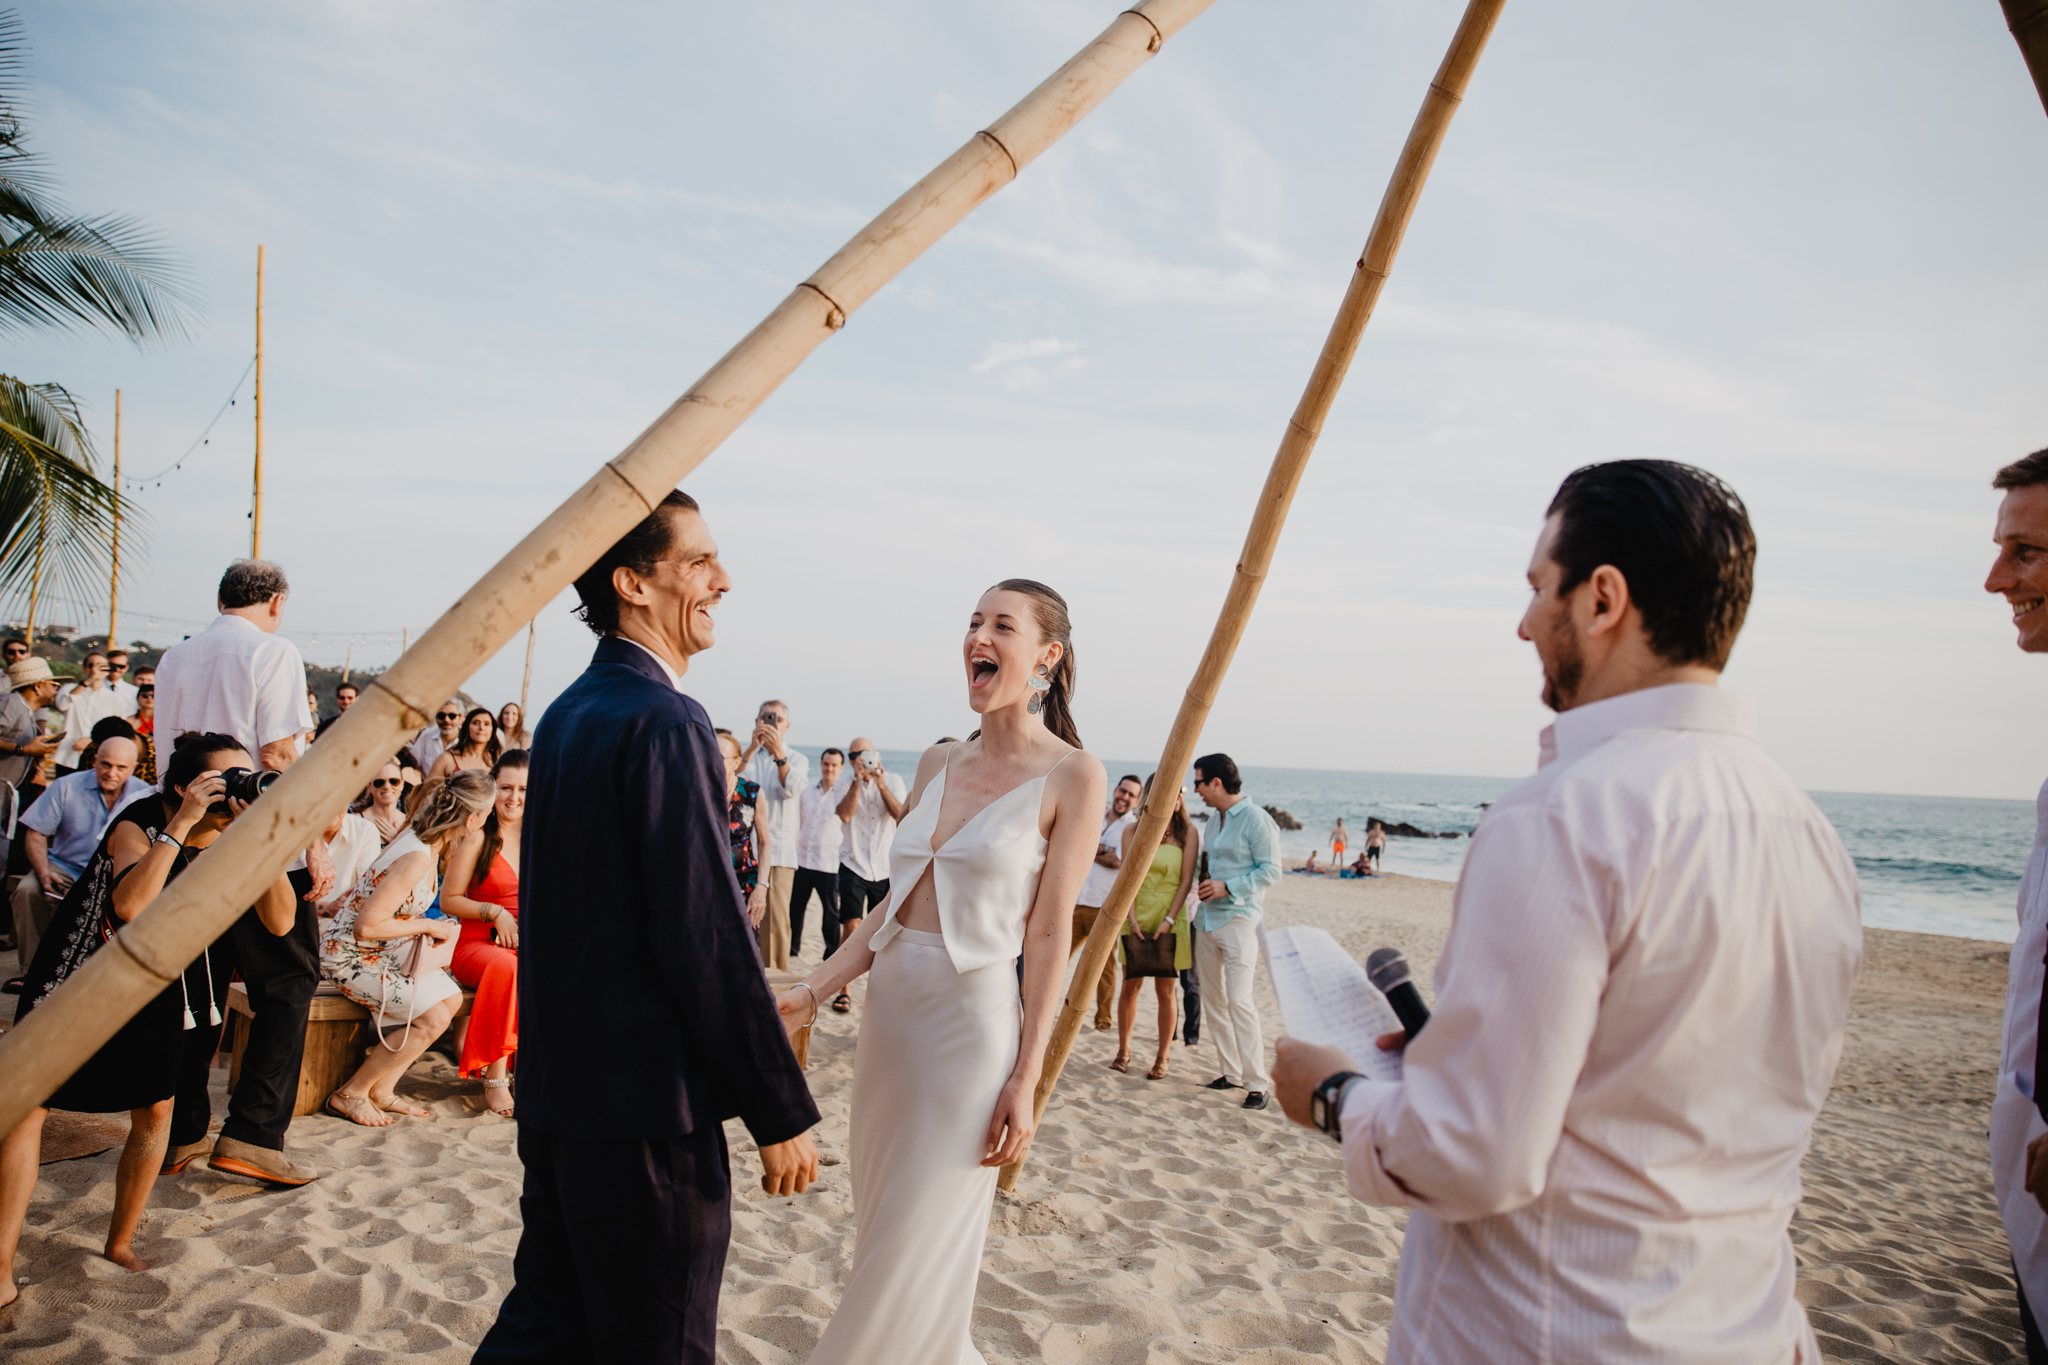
(338, 1036)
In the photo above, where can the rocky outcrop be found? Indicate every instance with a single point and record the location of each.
(1282, 818)
(1401, 829)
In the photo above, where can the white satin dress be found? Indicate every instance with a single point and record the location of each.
(938, 1038)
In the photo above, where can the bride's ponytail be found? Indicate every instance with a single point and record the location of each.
(1051, 611)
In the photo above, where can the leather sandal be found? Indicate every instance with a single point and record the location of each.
(842, 1003)
(355, 1104)
(1122, 1062)
(1158, 1071)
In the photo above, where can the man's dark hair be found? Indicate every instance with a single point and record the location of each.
(640, 549)
(1130, 777)
(1680, 537)
(113, 727)
(829, 752)
(192, 754)
(1219, 767)
(2024, 472)
(116, 652)
(348, 687)
(250, 583)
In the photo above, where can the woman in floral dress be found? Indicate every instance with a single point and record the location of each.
(363, 948)
(746, 812)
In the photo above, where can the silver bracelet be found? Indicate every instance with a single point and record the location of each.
(814, 1005)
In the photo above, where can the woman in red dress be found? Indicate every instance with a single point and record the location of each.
(486, 865)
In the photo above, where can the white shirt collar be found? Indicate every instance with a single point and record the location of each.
(1677, 706)
(227, 620)
(675, 679)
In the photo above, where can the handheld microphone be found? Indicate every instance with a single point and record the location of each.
(1388, 972)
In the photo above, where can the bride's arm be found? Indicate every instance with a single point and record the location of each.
(1079, 790)
(800, 1006)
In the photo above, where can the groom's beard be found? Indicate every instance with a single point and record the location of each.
(1565, 670)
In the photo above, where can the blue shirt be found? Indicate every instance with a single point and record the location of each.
(73, 815)
(1244, 854)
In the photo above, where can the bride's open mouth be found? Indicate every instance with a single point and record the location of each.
(982, 672)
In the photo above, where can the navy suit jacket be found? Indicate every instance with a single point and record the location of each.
(643, 1009)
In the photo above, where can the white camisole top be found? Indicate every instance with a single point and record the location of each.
(986, 875)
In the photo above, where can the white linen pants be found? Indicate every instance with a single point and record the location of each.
(1227, 961)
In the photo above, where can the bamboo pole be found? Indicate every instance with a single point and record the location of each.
(2028, 20)
(152, 949)
(35, 580)
(527, 681)
(1297, 443)
(348, 658)
(114, 581)
(256, 506)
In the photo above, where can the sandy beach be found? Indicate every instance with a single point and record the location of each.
(1156, 1222)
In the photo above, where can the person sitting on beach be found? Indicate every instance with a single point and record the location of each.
(1310, 866)
(379, 804)
(151, 1067)
(1158, 910)
(475, 749)
(1363, 866)
(361, 949)
(1644, 993)
(485, 865)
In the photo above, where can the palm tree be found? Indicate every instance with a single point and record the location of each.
(59, 269)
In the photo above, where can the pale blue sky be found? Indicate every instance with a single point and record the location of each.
(1798, 245)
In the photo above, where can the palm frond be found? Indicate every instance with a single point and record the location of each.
(56, 514)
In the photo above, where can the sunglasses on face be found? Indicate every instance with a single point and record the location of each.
(449, 715)
(387, 781)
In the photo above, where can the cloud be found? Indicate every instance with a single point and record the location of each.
(1005, 354)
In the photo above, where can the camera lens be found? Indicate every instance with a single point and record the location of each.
(244, 785)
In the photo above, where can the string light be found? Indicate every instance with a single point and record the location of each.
(156, 480)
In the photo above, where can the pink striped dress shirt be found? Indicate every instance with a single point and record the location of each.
(1639, 1010)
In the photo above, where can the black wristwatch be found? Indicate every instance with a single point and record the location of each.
(1326, 1106)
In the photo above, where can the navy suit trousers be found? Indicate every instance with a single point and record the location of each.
(622, 1252)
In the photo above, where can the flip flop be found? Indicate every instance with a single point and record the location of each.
(842, 1003)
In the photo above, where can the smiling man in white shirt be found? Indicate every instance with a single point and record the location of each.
(1643, 995)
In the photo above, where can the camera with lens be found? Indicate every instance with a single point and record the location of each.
(244, 785)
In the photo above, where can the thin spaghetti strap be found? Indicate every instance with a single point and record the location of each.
(1056, 767)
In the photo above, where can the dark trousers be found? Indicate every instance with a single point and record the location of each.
(1190, 999)
(2037, 1349)
(826, 884)
(280, 974)
(857, 896)
(621, 1254)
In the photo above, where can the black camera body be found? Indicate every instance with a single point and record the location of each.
(245, 785)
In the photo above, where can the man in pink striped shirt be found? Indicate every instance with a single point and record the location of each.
(1644, 992)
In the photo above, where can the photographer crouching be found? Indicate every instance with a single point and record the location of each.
(156, 1066)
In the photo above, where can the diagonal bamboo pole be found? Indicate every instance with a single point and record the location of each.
(1296, 445)
(150, 951)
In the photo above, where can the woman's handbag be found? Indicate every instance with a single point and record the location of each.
(1145, 955)
(405, 962)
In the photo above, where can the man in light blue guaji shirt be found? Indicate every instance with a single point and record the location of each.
(1243, 849)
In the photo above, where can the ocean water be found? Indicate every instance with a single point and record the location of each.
(1936, 865)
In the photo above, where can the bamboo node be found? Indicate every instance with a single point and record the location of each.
(1158, 38)
(1452, 96)
(120, 940)
(414, 716)
(835, 316)
(609, 464)
(1008, 155)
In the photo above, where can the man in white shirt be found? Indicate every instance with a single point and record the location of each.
(239, 677)
(2019, 1139)
(781, 773)
(1644, 991)
(872, 804)
(1102, 876)
(117, 675)
(431, 742)
(817, 854)
(93, 699)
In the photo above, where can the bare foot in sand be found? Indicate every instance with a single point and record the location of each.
(126, 1258)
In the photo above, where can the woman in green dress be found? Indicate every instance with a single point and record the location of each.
(1159, 909)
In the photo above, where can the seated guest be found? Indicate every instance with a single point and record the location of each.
(111, 728)
(486, 866)
(362, 949)
(379, 804)
(144, 723)
(413, 771)
(512, 731)
(747, 818)
(475, 748)
(353, 842)
(64, 827)
(152, 1068)
(1158, 911)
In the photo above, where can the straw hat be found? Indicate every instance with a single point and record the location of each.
(28, 673)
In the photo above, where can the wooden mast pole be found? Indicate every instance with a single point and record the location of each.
(2028, 20)
(1268, 518)
(114, 582)
(150, 951)
(527, 681)
(348, 658)
(256, 508)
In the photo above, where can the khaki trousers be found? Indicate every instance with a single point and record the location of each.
(775, 924)
(1105, 985)
(32, 914)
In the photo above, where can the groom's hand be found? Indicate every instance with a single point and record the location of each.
(789, 1167)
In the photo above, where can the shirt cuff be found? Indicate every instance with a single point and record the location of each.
(1363, 1175)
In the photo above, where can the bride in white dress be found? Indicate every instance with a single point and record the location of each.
(987, 862)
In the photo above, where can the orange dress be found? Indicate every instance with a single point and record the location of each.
(492, 971)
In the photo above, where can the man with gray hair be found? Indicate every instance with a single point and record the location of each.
(240, 677)
(433, 741)
(782, 773)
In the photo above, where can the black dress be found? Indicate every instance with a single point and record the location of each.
(142, 1064)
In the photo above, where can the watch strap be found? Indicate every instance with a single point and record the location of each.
(1326, 1106)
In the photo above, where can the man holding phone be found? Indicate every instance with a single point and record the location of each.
(873, 803)
(781, 773)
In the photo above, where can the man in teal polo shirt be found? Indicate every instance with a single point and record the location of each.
(1243, 849)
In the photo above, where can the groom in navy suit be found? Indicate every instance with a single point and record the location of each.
(645, 1018)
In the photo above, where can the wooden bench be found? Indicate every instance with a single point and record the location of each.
(338, 1036)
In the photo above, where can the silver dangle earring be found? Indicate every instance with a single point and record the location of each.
(1039, 687)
